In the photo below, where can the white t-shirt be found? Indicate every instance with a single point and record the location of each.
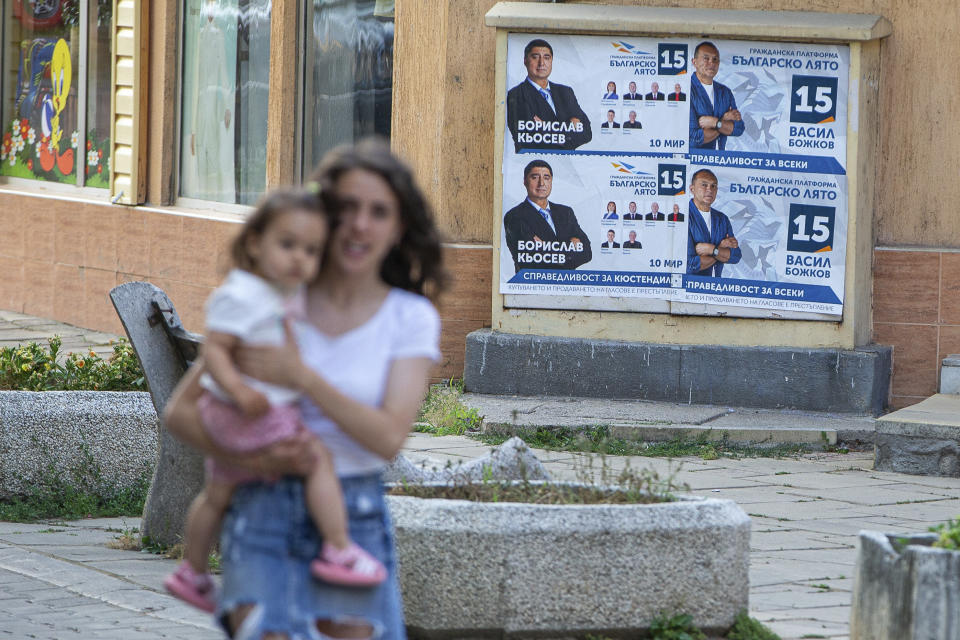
(252, 309)
(357, 364)
(706, 218)
(709, 89)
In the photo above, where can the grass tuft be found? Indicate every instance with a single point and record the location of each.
(443, 414)
(597, 440)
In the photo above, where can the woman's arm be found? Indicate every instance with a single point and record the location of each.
(383, 429)
(217, 350)
(181, 416)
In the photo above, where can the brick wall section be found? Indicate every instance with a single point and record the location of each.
(916, 308)
(59, 259)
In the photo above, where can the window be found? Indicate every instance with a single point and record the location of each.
(348, 83)
(226, 67)
(55, 95)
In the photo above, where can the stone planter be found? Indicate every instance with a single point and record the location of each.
(904, 589)
(508, 570)
(108, 437)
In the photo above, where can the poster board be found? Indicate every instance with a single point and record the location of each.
(621, 132)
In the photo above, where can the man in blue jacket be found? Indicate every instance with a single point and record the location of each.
(713, 109)
(543, 114)
(710, 241)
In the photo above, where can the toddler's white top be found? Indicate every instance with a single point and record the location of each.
(252, 309)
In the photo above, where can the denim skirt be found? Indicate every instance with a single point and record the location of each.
(267, 543)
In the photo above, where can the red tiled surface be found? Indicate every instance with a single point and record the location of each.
(916, 309)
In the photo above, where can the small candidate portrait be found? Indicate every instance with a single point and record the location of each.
(610, 244)
(632, 94)
(655, 213)
(632, 213)
(541, 234)
(611, 212)
(632, 122)
(543, 114)
(675, 215)
(713, 110)
(677, 95)
(632, 243)
(710, 240)
(655, 93)
(610, 122)
(611, 92)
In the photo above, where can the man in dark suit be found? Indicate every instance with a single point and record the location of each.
(632, 123)
(676, 216)
(633, 95)
(677, 95)
(543, 114)
(610, 124)
(632, 213)
(610, 244)
(655, 93)
(542, 234)
(632, 243)
(654, 213)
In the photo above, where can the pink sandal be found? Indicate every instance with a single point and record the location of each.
(352, 567)
(193, 588)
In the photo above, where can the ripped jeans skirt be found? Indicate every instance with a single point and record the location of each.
(267, 543)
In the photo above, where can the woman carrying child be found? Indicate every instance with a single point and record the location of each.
(361, 362)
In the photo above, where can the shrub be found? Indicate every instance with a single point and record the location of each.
(31, 367)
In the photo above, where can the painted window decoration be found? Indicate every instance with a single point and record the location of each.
(349, 74)
(45, 135)
(226, 69)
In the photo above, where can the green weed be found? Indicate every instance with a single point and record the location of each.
(949, 534)
(443, 414)
(597, 440)
(77, 493)
(676, 627)
(747, 628)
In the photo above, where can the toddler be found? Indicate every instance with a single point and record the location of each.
(276, 254)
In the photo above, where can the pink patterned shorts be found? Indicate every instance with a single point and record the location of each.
(232, 431)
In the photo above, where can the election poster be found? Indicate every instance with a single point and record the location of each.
(681, 170)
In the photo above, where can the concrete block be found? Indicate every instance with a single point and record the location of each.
(923, 439)
(904, 589)
(508, 570)
(950, 374)
(850, 381)
(109, 438)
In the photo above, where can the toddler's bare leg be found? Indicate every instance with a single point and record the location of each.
(325, 499)
(203, 522)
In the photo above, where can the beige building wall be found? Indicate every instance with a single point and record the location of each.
(448, 129)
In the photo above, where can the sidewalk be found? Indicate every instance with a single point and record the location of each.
(60, 580)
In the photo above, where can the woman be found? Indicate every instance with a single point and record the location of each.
(611, 213)
(611, 93)
(362, 366)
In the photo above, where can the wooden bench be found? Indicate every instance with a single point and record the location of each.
(165, 350)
